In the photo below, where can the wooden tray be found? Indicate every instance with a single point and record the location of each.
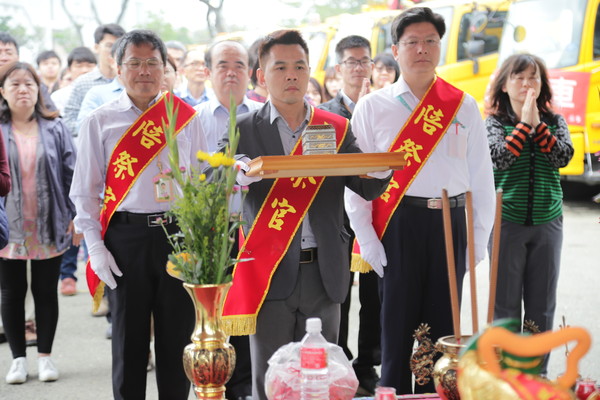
(345, 164)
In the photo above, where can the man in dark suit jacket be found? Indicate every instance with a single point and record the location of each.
(355, 66)
(313, 276)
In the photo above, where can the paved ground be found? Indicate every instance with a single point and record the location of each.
(82, 354)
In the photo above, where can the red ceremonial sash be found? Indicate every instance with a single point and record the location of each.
(136, 149)
(418, 138)
(272, 231)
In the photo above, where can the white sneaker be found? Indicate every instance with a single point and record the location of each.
(18, 371)
(47, 372)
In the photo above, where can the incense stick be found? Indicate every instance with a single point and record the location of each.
(471, 252)
(451, 265)
(495, 253)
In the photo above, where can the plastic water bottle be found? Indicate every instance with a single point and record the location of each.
(314, 375)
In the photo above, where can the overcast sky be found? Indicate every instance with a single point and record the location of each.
(253, 14)
(179, 13)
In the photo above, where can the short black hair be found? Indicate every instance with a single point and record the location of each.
(351, 42)
(139, 37)
(175, 44)
(45, 55)
(415, 15)
(108, 29)
(285, 37)
(7, 38)
(81, 54)
(253, 61)
(388, 60)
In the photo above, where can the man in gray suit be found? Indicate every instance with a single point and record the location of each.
(310, 276)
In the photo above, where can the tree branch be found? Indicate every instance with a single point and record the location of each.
(217, 25)
(73, 21)
(95, 12)
(124, 4)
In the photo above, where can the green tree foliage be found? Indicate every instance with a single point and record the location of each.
(65, 39)
(17, 31)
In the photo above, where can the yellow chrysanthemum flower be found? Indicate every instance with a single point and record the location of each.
(182, 257)
(228, 161)
(202, 177)
(202, 156)
(219, 159)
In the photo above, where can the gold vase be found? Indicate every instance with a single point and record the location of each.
(445, 369)
(209, 360)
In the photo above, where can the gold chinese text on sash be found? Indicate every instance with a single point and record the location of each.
(418, 138)
(136, 149)
(272, 231)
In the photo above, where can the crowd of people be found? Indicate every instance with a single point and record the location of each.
(73, 173)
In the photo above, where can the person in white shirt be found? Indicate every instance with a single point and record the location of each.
(228, 71)
(130, 256)
(80, 61)
(415, 286)
(194, 70)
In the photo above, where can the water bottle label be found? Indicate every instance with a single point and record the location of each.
(313, 358)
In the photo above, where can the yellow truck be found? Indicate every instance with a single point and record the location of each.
(469, 47)
(566, 35)
(318, 37)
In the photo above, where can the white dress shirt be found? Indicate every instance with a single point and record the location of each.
(215, 118)
(460, 162)
(289, 138)
(60, 98)
(100, 132)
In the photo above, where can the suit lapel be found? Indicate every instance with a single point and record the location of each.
(267, 134)
(344, 108)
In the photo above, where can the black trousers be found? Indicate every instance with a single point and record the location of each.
(146, 289)
(240, 384)
(369, 330)
(369, 327)
(369, 333)
(415, 287)
(13, 282)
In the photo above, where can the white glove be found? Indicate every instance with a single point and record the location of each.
(242, 178)
(103, 264)
(374, 253)
(380, 174)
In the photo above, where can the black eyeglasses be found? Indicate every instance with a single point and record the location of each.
(352, 63)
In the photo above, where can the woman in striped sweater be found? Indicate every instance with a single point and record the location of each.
(528, 144)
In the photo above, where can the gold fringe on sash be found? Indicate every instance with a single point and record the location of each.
(358, 264)
(239, 325)
(98, 297)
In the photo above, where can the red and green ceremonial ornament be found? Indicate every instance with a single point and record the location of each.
(501, 364)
